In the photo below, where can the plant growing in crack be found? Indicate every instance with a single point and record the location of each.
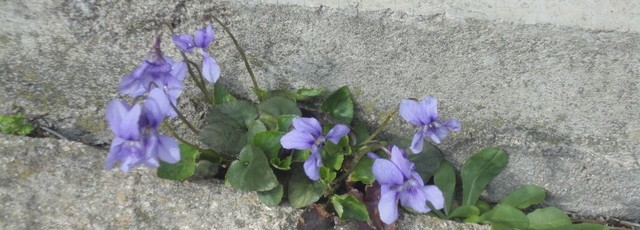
(304, 146)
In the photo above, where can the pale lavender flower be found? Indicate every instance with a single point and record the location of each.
(202, 38)
(156, 71)
(137, 140)
(425, 115)
(127, 148)
(400, 182)
(184, 42)
(307, 134)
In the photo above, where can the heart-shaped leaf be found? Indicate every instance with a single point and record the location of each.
(271, 109)
(181, 170)
(269, 142)
(251, 172)
(339, 106)
(272, 197)
(227, 126)
(303, 191)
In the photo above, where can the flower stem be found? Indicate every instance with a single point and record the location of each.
(256, 88)
(184, 119)
(198, 81)
(382, 126)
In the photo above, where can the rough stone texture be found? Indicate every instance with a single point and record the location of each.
(596, 14)
(57, 184)
(562, 101)
(49, 183)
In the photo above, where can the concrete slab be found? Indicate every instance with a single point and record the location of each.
(57, 184)
(608, 15)
(561, 100)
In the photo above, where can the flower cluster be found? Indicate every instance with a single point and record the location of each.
(307, 135)
(157, 84)
(425, 115)
(156, 71)
(400, 182)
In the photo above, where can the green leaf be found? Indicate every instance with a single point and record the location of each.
(227, 126)
(306, 94)
(327, 175)
(181, 170)
(464, 211)
(255, 127)
(271, 109)
(251, 172)
(507, 216)
(261, 93)
(282, 164)
(300, 155)
(302, 191)
(427, 162)
(479, 170)
(281, 93)
(473, 219)
(339, 106)
(524, 197)
(221, 95)
(269, 142)
(362, 171)
(272, 197)
(15, 125)
(349, 208)
(361, 129)
(342, 148)
(445, 179)
(548, 218)
(483, 205)
(333, 161)
(585, 226)
(285, 121)
(206, 169)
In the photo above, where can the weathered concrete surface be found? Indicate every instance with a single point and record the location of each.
(596, 14)
(562, 101)
(54, 184)
(57, 184)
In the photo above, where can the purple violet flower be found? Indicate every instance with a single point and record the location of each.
(138, 141)
(126, 147)
(425, 115)
(307, 134)
(400, 182)
(184, 42)
(202, 38)
(156, 71)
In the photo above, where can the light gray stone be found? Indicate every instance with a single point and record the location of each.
(58, 184)
(562, 101)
